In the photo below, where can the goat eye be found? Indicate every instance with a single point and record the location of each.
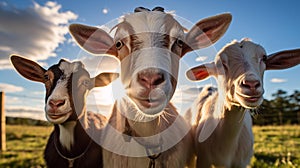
(179, 42)
(119, 44)
(46, 77)
(264, 59)
(86, 83)
(63, 77)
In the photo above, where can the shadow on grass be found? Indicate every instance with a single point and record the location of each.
(26, 163)
(264, 160)
(266, 157)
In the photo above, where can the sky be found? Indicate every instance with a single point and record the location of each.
(38, 30)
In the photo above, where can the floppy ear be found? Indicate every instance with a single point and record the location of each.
(283, 59)
(206, 32)
(201, 72)
(28, 69)
(93, 39)
(206, 128)
(104, 79)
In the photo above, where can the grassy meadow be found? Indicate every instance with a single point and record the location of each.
(275, 146)
(24, 146)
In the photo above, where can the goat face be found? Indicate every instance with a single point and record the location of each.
(240, 67)
(244, 65)
(149, 45)
(149, 69)
(67, 85)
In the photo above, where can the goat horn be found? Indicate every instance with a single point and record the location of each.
(141, 9)
(158, 8)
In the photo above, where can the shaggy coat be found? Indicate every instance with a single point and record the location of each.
(223, 127)
(149, 45)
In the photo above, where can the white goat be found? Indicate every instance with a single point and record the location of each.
(224, 126)
(149, 45)
(67, 85)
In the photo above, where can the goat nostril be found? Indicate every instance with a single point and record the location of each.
(257, 85)
(250, 84)
(61, 103)
(143, 80)
(158, 80)
(56, 103)
(152, 79)
(245, 84)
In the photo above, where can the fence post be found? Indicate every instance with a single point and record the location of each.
(298, 117)
(2, 124)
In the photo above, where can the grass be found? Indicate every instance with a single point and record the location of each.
(25, 146)
(275, 146)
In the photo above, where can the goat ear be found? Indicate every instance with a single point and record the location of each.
(206, 32)
(28, 69)
(104, 79)
(201, 72)
(283, 59)
(206, 128)
(93, 39)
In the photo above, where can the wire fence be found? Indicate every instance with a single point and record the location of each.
(36, 103)
(278, 144)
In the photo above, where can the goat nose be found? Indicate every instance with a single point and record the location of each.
(54, 104)
(251, 84)
(149, 80)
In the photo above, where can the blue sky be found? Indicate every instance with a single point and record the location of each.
(38, 30)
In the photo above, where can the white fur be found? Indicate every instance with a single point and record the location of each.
(148, 123)
(66, 135)
(68, 68)
(223, 140)
(147, 22)
(224, 128)
(223, 131)
(176, 139)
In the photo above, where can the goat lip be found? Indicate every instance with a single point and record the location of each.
(148, 103)
(57, 115)
(250, 98)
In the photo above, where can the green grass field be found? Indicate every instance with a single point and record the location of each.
(25, 146)
(275, 146)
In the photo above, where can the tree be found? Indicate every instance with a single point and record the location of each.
(282, 109)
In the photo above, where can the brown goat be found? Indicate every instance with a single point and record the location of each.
(67, 85)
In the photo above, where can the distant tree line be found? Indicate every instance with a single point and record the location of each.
(26, 121)
(281, 110)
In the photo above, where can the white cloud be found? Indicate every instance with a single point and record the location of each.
(105, 11)
(71, 41)
(96, 65)
(278, 80)
(35, 32)
(25, 112)
(3, 4)
(201, 58)
(39, 93)
(184, 96)
(10, 88)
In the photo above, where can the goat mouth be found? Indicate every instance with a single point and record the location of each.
(149, 103)
(250, 98)
(57, 115)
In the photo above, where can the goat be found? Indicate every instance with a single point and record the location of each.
(224, 126)
(149, 45)
(67, 85)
